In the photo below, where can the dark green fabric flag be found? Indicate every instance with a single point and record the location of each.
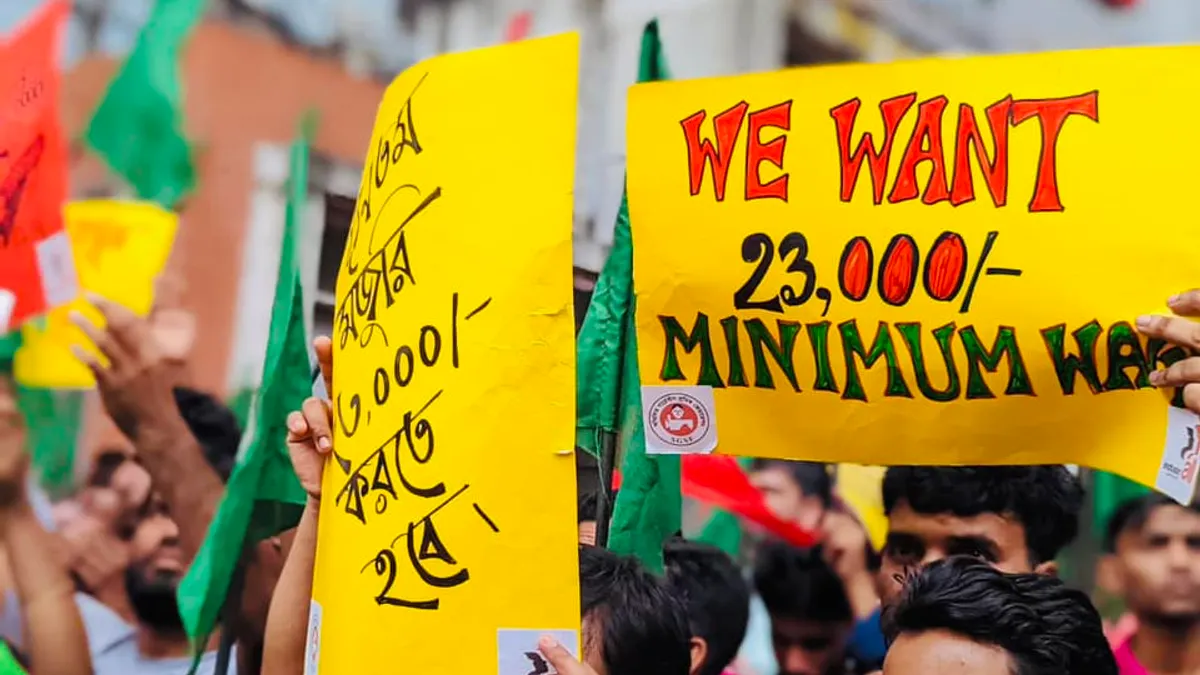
(648, 508)
(1108, 492)
(138, 126)
(53, 419)
(263, 496)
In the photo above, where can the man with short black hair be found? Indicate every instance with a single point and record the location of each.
(1015, 518)
(800, 492)
(1153, 562)
(811, 619)
(961, 615)
(717, 599)
(632, 623)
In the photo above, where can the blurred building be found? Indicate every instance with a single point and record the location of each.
(248, 81)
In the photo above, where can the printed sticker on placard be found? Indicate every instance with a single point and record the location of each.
(517, 650)
(59, 282)
(679, 420)
(312, 649)
(7, 302)
(1181, 454)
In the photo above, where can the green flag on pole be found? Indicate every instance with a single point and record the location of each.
(263, 496)
(138, 126)
(608, 390)
(53, 419)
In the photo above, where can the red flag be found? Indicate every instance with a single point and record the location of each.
(518, 27)
(719, 481)
(36, 268)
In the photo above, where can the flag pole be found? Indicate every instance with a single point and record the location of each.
(604, 499)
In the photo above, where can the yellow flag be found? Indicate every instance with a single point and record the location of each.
(447, 535)
(119, 249)
(930, 262)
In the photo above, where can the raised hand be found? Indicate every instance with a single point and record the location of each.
(310, 434)
(561, 659)
(14, 460)
(136, 384)
(1181, 330)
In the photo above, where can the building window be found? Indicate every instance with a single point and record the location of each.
(339, 210)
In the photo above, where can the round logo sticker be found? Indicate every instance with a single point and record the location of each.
(679, 420)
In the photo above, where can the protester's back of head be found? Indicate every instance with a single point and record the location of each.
(632, 623)
(961, 615)
(811, 618)
(214, 425)
(717, 600)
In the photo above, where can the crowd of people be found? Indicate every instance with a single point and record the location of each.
(965, 581)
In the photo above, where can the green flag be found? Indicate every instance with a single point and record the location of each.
(263, 496)
(1108, 492)
(53, 419)
(608, 389)
(8, 661)
(138, 126)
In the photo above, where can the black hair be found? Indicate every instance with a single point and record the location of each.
(105, 467)
(1132, 515)
(1046, 627)
(1045, 500)
(586, 507)
(799, 584)
(812, 478)
(717, 598)
(643, 625)
(214, 425)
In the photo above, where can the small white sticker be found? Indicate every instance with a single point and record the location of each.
(1181, 455)
(517, 650)
(57, 268)
(312, 649)
(679, 420)
(8, 301)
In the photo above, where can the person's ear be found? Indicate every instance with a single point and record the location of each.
(1108, 575)
(1048, 568)
(699, 654)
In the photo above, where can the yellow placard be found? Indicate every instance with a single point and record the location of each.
(930, 262)
(447, 535)
(119, 249)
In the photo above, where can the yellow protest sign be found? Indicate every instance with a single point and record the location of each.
(448, 529)
(119, 249)
(931, 262)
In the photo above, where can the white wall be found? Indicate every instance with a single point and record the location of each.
(702, 38)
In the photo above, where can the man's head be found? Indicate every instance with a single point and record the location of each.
(717, 600)
(156, 560)
(587, 517)
(811, 620)
(119, 471)
(796, 491)
(1153, 560)
(632, 623)
(1016, 518)
(961, 615)
(155, 567)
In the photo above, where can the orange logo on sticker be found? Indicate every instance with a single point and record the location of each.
(679, 420)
